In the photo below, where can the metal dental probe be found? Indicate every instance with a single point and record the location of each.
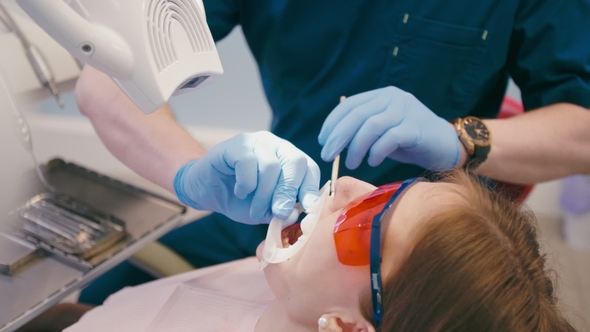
(335, 167)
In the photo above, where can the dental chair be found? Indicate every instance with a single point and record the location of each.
(160, 261)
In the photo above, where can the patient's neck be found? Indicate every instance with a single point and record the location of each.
(275, 318)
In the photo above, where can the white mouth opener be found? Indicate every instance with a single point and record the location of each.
(273, 251)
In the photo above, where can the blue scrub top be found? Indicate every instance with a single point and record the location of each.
(454, 56)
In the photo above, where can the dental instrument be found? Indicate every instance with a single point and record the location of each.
(152, 49)
(335, 166)
(35, 57)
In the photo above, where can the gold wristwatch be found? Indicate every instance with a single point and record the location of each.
(476, 138)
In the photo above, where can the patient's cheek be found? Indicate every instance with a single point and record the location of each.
(259, 251)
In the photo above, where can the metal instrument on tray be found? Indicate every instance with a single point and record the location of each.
(67, 225)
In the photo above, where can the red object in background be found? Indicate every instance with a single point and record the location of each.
(509, 108)
(514, 192)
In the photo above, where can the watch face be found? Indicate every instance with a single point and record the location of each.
(477, 131)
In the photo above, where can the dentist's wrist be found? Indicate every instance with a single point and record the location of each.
(463, 154)
(180, 185)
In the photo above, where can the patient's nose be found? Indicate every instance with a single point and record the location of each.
(347, 189)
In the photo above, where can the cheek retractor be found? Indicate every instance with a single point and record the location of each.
(273, 251)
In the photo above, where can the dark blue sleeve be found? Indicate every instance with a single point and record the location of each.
(550, 52)
(222, 17)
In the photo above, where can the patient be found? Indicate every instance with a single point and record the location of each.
(454, 258)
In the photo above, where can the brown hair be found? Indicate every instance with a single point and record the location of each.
(475, 267)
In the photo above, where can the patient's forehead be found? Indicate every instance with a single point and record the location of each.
(412, 210)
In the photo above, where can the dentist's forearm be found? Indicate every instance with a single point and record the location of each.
(155, 146)
(540, 145)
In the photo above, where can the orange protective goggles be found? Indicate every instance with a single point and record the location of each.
(352, 232)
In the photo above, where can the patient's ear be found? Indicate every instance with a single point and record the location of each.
(339, 322)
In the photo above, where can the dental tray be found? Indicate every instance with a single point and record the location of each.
(65, 226)
(15, 253)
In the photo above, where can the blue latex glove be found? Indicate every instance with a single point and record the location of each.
(389, 122)
(248, 174)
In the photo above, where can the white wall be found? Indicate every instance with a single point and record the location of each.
(234, 100)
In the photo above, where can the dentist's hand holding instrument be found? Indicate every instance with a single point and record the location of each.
(389, 123)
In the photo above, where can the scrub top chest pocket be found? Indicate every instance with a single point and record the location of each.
(438, 63)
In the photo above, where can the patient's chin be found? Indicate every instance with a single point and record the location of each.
(259, 250)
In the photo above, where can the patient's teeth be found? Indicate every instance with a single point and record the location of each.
(278, 247)
(286, 242)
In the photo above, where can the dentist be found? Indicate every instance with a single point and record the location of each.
(424, 80)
